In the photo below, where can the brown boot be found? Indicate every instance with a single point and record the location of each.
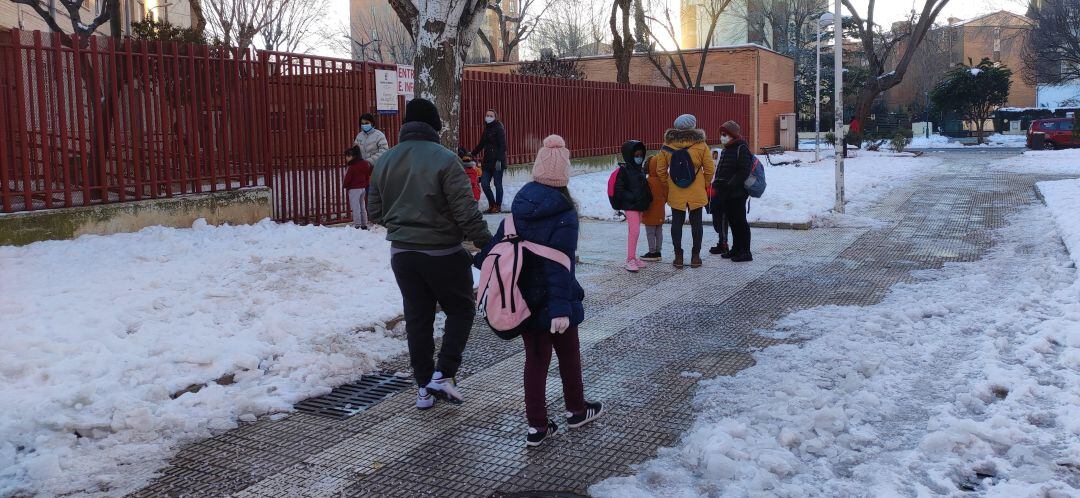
(695, 260)
(678, 263)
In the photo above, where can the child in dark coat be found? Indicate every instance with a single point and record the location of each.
(356, 181)
(632, 196)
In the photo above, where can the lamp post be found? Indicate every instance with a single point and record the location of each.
(825, 19)
(838, 104)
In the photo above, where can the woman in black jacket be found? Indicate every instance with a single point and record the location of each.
(493, 145)
(632, 196)
(735, 167)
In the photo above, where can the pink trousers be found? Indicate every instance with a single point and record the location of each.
(633, 224)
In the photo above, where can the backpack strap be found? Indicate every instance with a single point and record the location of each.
(548, 253)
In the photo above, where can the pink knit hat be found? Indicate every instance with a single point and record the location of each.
(552, 167)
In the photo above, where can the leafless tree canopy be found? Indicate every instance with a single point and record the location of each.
(1052, 55)
(514, 27)
(73, 8)
(571, 29)
(878, 44)
(676, 63)
(237, 22)
(297, 28)
(380, 37)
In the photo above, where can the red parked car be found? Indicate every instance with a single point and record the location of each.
(1050, 134)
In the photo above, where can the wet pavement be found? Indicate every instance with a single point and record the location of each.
(646, 339)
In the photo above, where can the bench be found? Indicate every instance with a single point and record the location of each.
(776, 149)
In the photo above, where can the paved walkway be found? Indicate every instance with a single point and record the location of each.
(643, 331)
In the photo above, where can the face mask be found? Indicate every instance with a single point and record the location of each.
(639, 160)
(366, 127)
(724, 139)
(489, 119)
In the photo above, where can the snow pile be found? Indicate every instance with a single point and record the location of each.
(968, 380)
(794, 194)
(940, 141)
(100, 333)
(1065, 162)
(1063, 199)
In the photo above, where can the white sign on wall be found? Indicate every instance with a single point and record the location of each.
(405, 81)
(386, 91)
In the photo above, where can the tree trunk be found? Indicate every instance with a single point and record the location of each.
(438, 79)
(198, 18)
(864, 102)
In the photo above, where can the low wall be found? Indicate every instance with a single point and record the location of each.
(235, 207)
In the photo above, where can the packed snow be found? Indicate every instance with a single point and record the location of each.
(1065, 162)
(100, 333)
(994, 140)
(795, 194)
(966, 380)
(1063, 199)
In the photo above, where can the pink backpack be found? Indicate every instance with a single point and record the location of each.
(498, 297)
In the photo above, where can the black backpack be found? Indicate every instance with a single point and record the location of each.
(681, 169)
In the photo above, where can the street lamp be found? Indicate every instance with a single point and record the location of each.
(825, 19)
(838, 104)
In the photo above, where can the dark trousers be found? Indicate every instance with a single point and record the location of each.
(485, 181)
(719, 220)
(735, 211)
(538, 347)
(697, 231)
(427, 281)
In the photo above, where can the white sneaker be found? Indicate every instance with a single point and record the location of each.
(424, 399)
(444, 388)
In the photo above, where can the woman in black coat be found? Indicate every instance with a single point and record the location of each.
(493, 145)
(632, 196)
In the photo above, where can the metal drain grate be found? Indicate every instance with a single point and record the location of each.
(349, 399)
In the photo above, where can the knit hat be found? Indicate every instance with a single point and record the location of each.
(732, 128)
(686, 122)
(552, 167)
(424, 111)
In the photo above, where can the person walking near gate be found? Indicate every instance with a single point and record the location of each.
(420, 193)
(736, 164)
(684, 164)
(493, 145)
(371, 141)
(543, 213)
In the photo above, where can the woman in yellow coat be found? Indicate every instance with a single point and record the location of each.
(691, 200)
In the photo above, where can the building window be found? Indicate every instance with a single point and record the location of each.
(764, 92)
(722, 88)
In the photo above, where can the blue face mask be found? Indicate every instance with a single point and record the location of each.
(639, 160)
(366, 127)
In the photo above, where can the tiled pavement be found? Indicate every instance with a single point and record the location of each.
(642, 332)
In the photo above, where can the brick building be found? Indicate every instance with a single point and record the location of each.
(768, 77)
(176, 12)
(999, 36)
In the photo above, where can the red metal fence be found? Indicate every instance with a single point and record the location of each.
(118, 121)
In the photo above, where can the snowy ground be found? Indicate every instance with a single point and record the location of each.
(1066, 161)
(795, 194)
(100, 333)
(940, 141)
(967, 379)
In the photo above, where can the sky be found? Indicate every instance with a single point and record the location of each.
(886, 11)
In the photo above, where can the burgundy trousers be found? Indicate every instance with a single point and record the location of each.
(538, 347)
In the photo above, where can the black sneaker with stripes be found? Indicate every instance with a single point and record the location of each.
(536, 436)
(592, 412)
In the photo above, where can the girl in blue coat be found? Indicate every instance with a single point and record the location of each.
(544, 214)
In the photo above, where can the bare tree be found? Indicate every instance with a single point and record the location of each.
(1052, 53)
(675, 62)
(877, 45)
(514, 27)
(378, 36)
(237, 22)
(444, 32)
(550, 66)
(294, 29)
(74, 10)
(570, 29)
(623, 43)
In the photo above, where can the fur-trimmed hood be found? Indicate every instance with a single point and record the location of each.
(683, 138)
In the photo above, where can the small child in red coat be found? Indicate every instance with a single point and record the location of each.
(471, 170)
(357, 178)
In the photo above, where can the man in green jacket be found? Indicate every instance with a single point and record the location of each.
(420, 193)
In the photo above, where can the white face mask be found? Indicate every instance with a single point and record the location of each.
(724, 139)
(489, 119)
